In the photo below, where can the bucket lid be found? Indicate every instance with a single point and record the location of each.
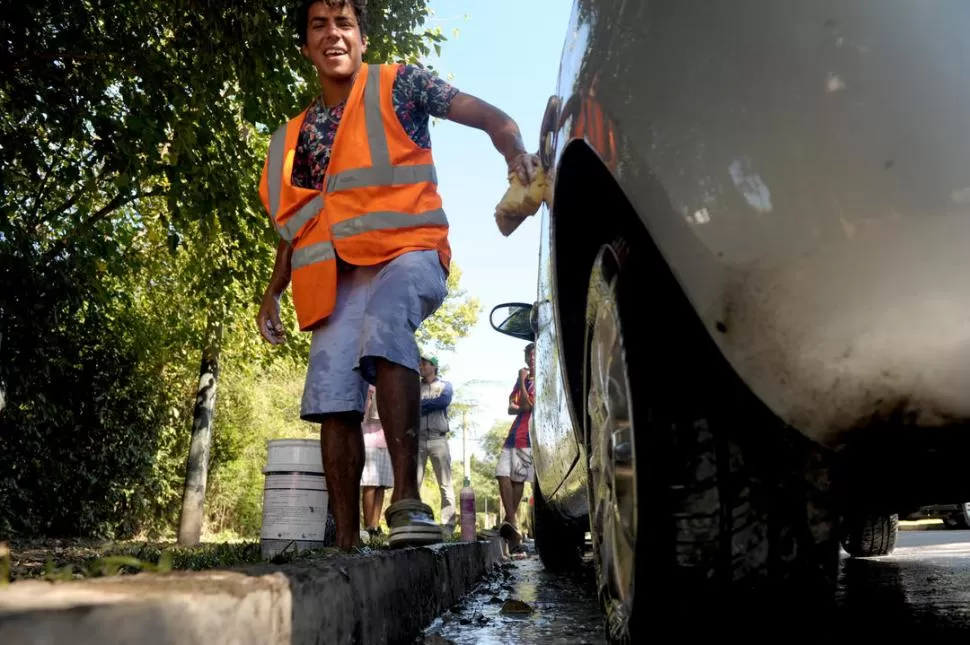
(293, 455)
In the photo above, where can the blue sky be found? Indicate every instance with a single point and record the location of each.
(506, 53)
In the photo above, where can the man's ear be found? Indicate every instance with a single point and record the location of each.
(305, 51)
(363, 47)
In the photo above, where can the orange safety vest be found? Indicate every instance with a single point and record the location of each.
(379, 197)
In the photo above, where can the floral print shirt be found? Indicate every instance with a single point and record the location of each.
(418, 95)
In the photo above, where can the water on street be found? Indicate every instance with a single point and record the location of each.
(524, 604)
(921, 590)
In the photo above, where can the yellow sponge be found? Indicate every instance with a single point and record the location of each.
(522, 201)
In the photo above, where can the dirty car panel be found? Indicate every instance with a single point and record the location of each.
(813, 157)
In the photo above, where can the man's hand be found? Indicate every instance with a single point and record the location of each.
(523, 374)
(268, 320)
(524, 165)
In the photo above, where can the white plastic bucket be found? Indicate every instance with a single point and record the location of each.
(294, 497)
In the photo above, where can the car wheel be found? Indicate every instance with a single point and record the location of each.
(678, 510)
(558, 542)
(868, 535)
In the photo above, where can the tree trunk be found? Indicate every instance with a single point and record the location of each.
(197, 467)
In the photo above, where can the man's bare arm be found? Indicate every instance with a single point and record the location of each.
(500, 127)
(280, 280)
(268, 318)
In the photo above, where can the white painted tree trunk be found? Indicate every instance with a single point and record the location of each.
(197, 467)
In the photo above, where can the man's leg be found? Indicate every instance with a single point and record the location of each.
(517, 488)
(334, 396)
(503, 473)
(399, 400)
(406, 291)
(342, 449)
(441, 462)
(368, 496)
(520, 471)
(505, 491)
(422, 460)
(375, 519)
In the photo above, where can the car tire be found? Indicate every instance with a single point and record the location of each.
(558, 542)
(718, 524)
(869, 535)
(959, 521)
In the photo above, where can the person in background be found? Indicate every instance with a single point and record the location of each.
(378, 473)
(433, 438)
(515, 461)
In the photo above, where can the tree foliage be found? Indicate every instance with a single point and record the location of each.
(453, 320)
(132, 136)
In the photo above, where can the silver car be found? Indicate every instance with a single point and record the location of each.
(753, 313)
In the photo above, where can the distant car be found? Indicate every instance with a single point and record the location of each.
(752, 321)
(954, 516)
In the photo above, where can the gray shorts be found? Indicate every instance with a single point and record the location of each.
(378, 310)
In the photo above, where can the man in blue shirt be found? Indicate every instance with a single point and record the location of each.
(433, 438)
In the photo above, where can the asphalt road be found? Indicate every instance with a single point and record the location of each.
(920, 591)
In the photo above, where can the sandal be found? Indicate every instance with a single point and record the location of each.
(510, 534)
(412, 524)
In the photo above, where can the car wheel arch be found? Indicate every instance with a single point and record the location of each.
(584, 184)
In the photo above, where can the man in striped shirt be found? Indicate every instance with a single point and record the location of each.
(515, 461)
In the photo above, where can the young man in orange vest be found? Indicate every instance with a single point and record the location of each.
(365, 247)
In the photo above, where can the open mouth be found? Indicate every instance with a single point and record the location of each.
(335, 52)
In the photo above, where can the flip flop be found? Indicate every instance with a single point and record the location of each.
(412, 524)
(510, 534)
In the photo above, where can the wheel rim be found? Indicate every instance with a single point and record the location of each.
(612, 448)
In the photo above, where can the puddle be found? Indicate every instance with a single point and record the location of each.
(524, 604)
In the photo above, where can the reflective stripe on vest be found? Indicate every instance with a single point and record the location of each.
(381, 172)
(277, 153)
(311, 254)
(382, 221)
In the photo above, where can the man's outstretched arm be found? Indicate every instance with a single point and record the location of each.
(500, 127)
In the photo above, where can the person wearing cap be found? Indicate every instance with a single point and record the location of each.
(436, 396)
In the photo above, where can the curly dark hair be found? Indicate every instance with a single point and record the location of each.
(303, 10)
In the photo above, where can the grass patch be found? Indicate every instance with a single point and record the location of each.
(79, 559)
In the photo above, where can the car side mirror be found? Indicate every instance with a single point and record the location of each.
(514, 319)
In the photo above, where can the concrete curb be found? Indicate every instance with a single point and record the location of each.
(380, 597)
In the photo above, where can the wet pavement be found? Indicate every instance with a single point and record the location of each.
(921, 590)
(524, 604)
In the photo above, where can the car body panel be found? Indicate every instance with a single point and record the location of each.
(804, 169)
(555, 426)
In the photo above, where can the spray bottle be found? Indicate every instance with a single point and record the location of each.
(467, 505)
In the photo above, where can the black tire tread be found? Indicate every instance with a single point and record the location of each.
(869, 535)
(559, 545)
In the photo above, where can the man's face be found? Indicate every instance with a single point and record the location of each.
(426, 369)
(530, 359)
(333, 41)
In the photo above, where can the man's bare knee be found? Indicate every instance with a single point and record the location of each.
(338, 421)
